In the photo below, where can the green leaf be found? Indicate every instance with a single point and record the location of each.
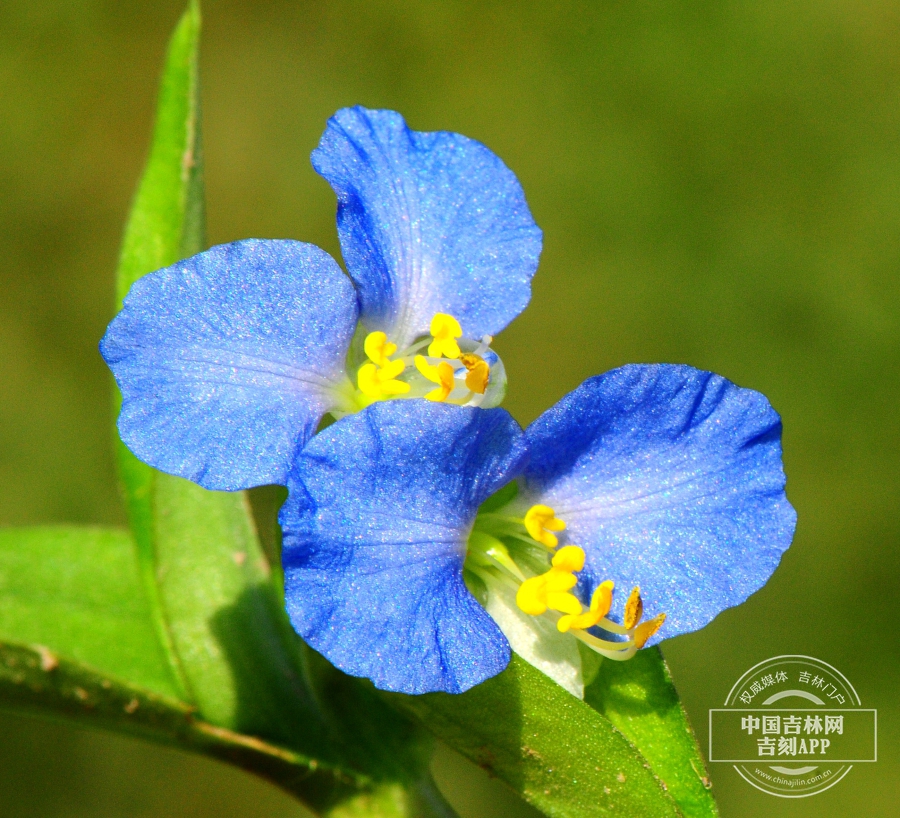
(227, 642)
(77, 641)
(157, 234)
(243, 664)
(218, 614)
(639, 698)
(561, 755)
(167, 220)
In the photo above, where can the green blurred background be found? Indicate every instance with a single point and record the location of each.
(718, 182)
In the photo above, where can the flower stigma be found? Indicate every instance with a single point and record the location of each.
(513, 551)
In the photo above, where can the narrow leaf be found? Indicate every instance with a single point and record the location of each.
(218, 613)
(170, 191)
(561, 755)
(167, 217)
(640, 699)
(229, 647)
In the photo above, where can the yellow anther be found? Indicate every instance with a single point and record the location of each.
(391, 370)
(442, 374)
(367, 380)
(429, 371)
(379, 379)
(375, 382)
(540, 520)
(601, 602)
(551, 590)
(556, 581)
(548, 590)
(563, 602)
(478, 371)
(445, 329)
(569, 558)
(378, 349)
(531, 596)
(634, 609)
(646, 629)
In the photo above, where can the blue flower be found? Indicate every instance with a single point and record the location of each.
(375, 528)
(423, 540)
(228, 360)
(660, 478)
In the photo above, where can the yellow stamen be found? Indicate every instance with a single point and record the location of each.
(378, 379)
(429, 371)
(557, 581)
(540, 520)
(378, 349)
(377, 383)
(391, 370)
(367, 380)
(478, 371)
(646, 629)
(563, 602)
(634, 609)
(551, 590)
(445, 329)
(569, 558)
(601, 602)
(531, 596)
(442, 374)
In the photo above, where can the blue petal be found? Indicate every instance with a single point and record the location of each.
(428, 222)
(381, 504)
(227, 360)
(671, 479)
